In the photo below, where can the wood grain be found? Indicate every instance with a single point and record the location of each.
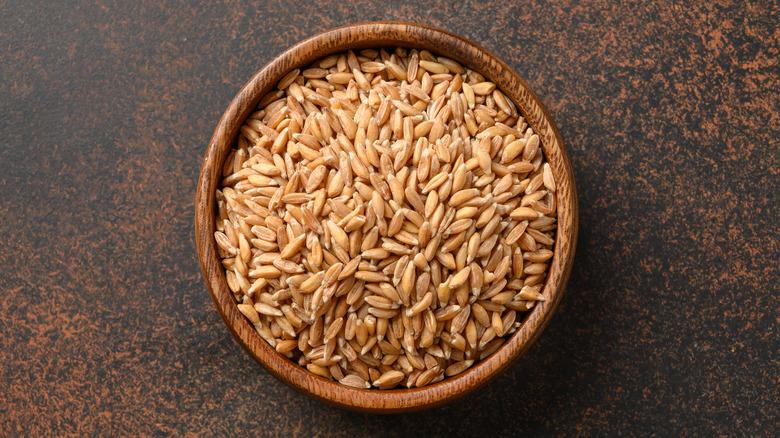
(368, 35)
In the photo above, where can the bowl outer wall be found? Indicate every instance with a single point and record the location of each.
(374, 35)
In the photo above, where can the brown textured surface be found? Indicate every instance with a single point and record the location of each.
(670, 321)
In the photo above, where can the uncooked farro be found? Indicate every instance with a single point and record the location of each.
(386, 217)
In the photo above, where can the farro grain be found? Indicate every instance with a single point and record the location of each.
(385, 216)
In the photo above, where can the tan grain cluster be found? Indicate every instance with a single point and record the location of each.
(385, 218)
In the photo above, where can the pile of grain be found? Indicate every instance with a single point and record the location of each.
(385, 219)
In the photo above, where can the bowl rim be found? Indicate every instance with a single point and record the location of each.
(373, 35)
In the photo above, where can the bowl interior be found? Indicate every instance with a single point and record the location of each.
(375, 35)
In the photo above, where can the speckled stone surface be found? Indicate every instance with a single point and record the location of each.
(670, 325)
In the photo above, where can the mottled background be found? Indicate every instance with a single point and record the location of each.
(670, 111)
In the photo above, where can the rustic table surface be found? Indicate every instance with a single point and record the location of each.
(670, 324)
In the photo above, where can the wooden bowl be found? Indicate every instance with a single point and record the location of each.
(374, 35)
